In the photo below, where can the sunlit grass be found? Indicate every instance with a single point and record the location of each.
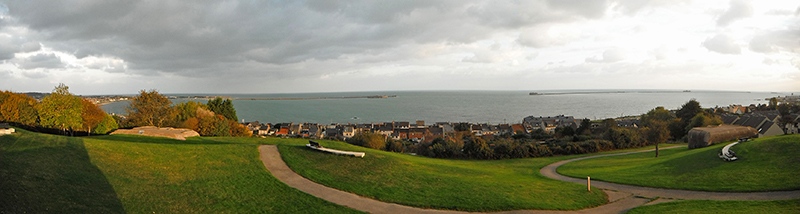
(764, 164)
(438, 183)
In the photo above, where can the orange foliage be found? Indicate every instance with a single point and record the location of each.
(18, 108)
(192, 123)
(92, 115)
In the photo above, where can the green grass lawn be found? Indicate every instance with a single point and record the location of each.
(764, 164)
(438, 183)
(713, 207)
(115, 174)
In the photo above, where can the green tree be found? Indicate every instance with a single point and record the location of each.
(223, 107)
(773, 103)
(608, 124)
(187, 110)
(107, 125)
(61, 110)
(150, 109)
(657, 114)
(460, 127)
(623, 138)
(656, 132)
(585, 127)
(702, 120)
(689, 110)
(476, 147)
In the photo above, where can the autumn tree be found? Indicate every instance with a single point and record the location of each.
(18, 108)
(369, 140)
(150, 109)
(92, 115)
(223, 107)
(187, 110)
(61, 110)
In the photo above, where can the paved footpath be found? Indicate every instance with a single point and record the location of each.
(621, 197)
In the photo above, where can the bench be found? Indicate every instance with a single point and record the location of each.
(727, 154)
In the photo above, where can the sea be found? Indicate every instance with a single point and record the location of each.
(492, 107)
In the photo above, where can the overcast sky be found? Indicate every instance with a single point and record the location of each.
(121, 47)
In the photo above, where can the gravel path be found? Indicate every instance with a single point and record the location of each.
(621, 197)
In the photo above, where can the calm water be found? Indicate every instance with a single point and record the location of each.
(459, 106)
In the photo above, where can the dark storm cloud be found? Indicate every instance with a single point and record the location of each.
(194, 37)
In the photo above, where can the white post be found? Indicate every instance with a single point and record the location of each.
(589, 183)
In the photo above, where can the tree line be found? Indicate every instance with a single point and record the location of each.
(657, 126)
(61, 112)
(215, 118)
(65, 113)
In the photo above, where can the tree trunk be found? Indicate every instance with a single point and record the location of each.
(656, 149)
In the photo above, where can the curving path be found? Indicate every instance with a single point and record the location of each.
(621, 197)
(650, 192)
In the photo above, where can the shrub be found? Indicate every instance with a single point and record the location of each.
(369, 140)
(477, 148)
(623, 138)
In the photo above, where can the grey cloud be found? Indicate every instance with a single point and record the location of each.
(777, 40)
(770, 61)
(611, 55)
(186, 37)
(723, 44)
(42, 60)
(34, 74)
(762, 44)
(738, 9)
(5, 74)
(7, 51)
(30, 47)
(589, 9)
(482, 57)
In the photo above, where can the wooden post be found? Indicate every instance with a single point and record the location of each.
(589, 183)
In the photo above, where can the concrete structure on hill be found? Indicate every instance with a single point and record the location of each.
(6, 129)
(180, 134)
(704, 136)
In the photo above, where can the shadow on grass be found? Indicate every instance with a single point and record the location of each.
(47, 173)
(699, 161)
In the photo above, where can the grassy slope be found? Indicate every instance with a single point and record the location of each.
(713, 207)
(437, 183)
(764, 164)
(42, 173)
(145, 175)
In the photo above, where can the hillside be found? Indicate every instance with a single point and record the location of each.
(764, 164)
(122, 173)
